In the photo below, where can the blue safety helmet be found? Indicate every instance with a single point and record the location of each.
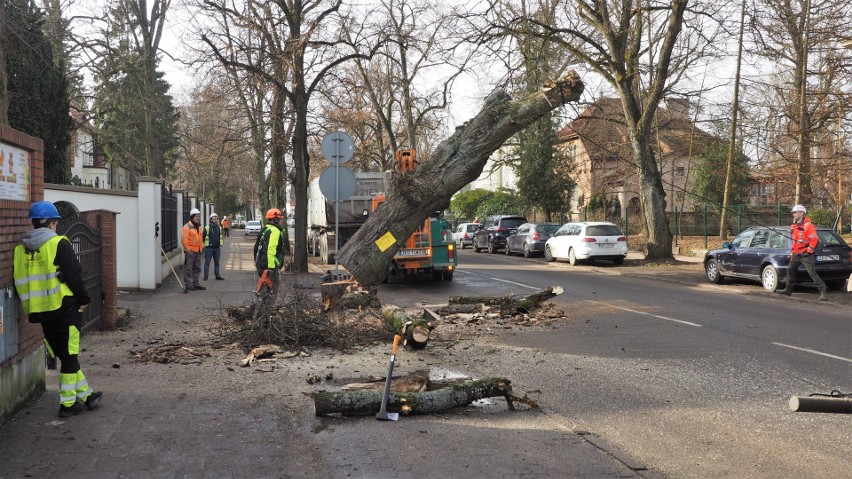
(43, 210)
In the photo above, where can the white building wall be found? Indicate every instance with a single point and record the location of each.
(125, 203)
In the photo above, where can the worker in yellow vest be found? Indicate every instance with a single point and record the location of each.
(49, 282)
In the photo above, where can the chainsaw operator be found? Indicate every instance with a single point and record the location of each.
(269, 250)
(49, 281)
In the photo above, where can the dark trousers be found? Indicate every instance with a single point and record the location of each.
(809, 262)
(226, 231)
(215, 254)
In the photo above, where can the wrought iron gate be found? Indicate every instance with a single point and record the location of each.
(87, 245)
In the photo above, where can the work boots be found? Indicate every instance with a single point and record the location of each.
(787, 291)
(823, 295)
(72, 410)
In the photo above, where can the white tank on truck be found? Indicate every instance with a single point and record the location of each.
(321, 239)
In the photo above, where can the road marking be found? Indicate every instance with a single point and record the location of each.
(643, 312)
(516, 284)
(814, 352)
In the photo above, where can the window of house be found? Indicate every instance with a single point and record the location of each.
(681, 171)
(85, 150)
(679, 195)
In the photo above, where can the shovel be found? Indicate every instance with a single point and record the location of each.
(383, 414)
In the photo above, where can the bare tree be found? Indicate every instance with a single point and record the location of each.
(800, 38)
(637, 47)
(4, 92)
(305, 38)
(456, 162)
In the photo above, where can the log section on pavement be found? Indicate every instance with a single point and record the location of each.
(509, 303)
(366, 403)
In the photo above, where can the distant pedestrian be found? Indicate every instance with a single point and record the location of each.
(49, 281)
(213, 240)
(193, 248)
(805, 240)
(226, 226)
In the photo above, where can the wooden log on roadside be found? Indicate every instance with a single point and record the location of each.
(509, 303)
(415, 332)
(366, 403)
(416, 381)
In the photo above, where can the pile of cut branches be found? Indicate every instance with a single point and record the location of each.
(299, 320)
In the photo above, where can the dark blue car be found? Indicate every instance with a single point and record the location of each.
(763, 253)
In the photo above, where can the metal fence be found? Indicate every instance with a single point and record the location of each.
(87, 245)
(168, 219)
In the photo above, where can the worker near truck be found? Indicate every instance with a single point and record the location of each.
(49, 282)
(269, 249)
(805, 241)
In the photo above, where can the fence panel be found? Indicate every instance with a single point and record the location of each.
(168, 219)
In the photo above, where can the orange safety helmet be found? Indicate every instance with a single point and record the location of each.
(274, 214)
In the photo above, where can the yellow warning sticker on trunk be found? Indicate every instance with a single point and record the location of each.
(386, 241)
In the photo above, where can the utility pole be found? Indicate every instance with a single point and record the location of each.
(732, 139)
(4, 93)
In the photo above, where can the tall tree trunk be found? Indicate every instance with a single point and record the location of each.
(301, 173)
(4, 80)
(652, 196)
(803, 162)
(455, 162)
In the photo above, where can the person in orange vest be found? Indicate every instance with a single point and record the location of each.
(226, 225)
(805, 241)
(193, 248)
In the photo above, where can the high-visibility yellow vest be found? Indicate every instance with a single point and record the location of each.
(272, 260)
(207, 236)
(37, 278)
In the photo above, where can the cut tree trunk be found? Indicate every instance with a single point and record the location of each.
(366, 403)
(415, 332)
(509, 304)
(456, 161)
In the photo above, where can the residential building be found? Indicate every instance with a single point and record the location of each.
(89, 166)
(596, 142)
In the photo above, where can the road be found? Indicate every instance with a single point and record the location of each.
(691, 381)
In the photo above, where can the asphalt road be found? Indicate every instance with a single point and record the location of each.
(691, 381)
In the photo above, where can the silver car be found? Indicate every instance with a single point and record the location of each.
(253, 228)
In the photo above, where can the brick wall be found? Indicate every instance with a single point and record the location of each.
(14, 223)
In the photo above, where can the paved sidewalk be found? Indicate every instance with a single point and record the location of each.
(210, 418)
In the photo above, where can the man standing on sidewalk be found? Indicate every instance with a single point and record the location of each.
(805, 241)
(213, 240)
(193, 248)
(49, 281)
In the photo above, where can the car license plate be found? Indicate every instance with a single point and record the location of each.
(606, 245)
(411, 252)
(830, 257)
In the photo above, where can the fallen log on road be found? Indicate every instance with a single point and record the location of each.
(367, 403)
(415, 332)
(510, 303)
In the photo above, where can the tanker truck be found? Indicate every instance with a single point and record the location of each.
(353, 212)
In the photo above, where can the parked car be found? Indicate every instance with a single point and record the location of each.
(763, 253)
(463, 234)
(587, 240)
(253, 228)
(530, 238)
(492, 234)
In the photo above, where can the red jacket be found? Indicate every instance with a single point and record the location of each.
(805, 237)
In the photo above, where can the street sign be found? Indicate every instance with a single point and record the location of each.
(340, 186)
(337, 147)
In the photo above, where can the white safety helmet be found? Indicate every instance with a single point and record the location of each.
(194, 211)
(798, 208)
(214, 215)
